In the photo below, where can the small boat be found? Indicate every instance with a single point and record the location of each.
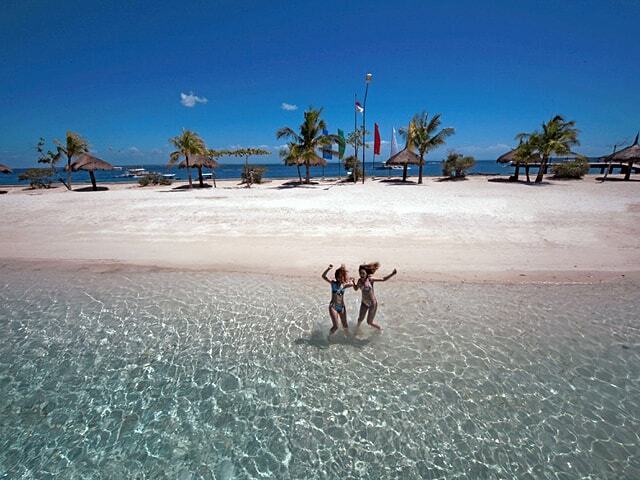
(135, 173)
(395, 167)
(169, 175)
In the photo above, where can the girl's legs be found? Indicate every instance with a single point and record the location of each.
(334, 320)
(372, 314)
(343, 317)
(363, 313)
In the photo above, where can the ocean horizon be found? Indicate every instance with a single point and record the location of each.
(272, 171)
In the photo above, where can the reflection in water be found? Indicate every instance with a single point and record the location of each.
(195, 375)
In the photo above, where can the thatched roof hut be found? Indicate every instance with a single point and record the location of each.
(629, 155)
(404, 157)
(5, 169)
(507, 157)
(89, 163)
(199, 161)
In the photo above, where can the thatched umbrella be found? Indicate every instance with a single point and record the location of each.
(199, 161)
(5, 169)
(510, 157)
(630, 155)
(89, 163)
(404, 157)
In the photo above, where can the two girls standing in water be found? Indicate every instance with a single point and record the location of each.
(368, 305)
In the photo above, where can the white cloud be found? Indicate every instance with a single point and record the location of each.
(190, 100)
(288, 106)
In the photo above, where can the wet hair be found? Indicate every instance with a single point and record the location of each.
(369, 268)
(341, 274)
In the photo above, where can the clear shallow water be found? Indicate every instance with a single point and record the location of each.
(196, 375)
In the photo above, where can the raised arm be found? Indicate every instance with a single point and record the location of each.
(324, 274)
(384, 279)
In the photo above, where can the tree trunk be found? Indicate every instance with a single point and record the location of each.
(247, 177)
(299, 174)
(308, 176)
(526, 169)
(68, 172)
(93, 180)
(542, 169)
(188, 170)
(420, 169)
(404, 172)
(627, 174)
(200, 177)
(517, 172)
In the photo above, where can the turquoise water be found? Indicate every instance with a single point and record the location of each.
(202, 375)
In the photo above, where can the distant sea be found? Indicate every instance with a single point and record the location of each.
(273, 171)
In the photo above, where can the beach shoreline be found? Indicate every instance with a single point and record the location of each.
(470, 231)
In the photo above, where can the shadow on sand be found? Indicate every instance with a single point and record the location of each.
(452, 179)
(616, 179)
(91, 189)
(517, 182)
(398, 181)
(295, 184)
(181, 188)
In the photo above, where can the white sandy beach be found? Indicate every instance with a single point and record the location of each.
(472, 230)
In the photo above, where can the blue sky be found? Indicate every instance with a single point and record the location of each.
(115, 74)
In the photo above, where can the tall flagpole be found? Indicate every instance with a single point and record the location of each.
(355, 132)
(364, 123)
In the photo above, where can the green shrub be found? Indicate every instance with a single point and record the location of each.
(456, 165)
(252, 175)
(577, 168)
(351, 163)
(153, 179)
(37, 177)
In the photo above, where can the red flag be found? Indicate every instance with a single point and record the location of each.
(376, 140)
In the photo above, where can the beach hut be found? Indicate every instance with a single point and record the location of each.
(404, 157)
(200, 161)
(90, 164)
(509, 157)
(629, 155)
(5, 169)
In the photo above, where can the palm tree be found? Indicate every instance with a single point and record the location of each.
(74, 146)
(290, 156)
(556, 138)
(246, 153)
(421, 135)
(187, 144)
(309, 139)
(525, 154)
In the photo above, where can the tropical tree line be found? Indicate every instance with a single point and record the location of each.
(423, 135)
